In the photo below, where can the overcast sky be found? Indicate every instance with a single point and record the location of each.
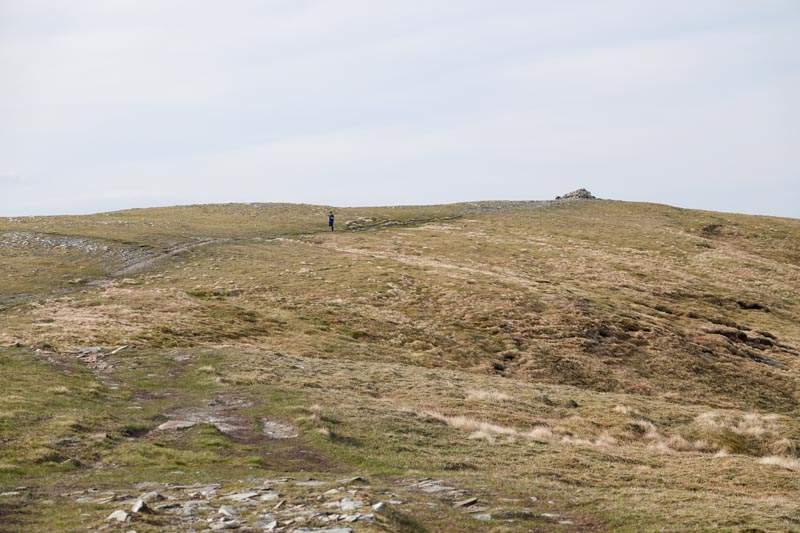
(107, 104)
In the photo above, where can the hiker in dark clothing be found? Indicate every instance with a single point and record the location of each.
(330, 220)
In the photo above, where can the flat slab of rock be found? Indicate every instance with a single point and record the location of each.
(172, 425)
(241, 496)
(466, 503)
(325, 530)
(117, 516)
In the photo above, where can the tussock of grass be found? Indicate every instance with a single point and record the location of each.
(789, 463)
(479, 430)
(490, 396)
(743, 433)
(718, 433)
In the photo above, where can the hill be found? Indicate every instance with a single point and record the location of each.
(510, 366)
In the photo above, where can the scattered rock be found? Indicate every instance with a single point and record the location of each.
(167, 506)
(466, 503)
(325, 530)
(267, 522)
(242, 496)
(152, 496)
(91, 350)
(139, 506)
(176, 424)
(225, 524)
(346, 504)
(356, 479)
(118, 516)
(229, 512)
(278, 430)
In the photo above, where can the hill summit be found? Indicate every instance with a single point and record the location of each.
(516, 366)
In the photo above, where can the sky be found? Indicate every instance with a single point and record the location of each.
(110, 104)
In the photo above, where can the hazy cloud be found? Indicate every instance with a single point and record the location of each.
(116, 103)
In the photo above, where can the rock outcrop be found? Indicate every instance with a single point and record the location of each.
(580, 194)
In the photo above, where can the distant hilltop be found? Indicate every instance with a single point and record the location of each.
(580, 194)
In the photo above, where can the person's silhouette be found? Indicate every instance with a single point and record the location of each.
(330, 220)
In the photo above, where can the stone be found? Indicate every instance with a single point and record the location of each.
(167, 506)
(466, 503)
(346, 504)
(9, 494)
(91, 350)
(225, 524)
(139, 506)
(242, 496)
(378, 507)
(356, 479)
(267, 522)
(117, 516)
(230, 512)
(482, 516)
(176, 424)
(152, 496)
(325, 530)
(269, 496)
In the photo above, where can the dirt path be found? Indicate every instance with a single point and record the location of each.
(153, 258)
(424, 262)
(147, 262)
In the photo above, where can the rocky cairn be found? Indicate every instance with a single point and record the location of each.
(580, 194)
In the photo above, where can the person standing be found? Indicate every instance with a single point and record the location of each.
(330, 220)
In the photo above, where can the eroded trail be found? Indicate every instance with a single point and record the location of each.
(426, 262)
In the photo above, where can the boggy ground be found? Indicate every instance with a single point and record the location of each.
(580, 365)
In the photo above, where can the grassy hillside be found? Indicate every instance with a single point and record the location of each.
(576, 365)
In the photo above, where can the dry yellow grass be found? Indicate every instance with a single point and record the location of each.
(620, 360)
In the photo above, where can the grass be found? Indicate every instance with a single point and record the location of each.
(611, 358)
